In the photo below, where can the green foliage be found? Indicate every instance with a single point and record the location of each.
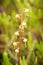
(6, 60)
(31, 13)
(23, 61)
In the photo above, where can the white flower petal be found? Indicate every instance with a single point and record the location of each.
(23, 23)
(15, 43)
(25, 40)
(17, 33)
(17, 16)
(16, 50)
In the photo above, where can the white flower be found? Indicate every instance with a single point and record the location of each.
(23, 24)
(16, 50)
(14, 43)
(17, 33)
(25, 40)
(18, 16)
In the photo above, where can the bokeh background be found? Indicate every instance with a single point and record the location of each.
(21, 32)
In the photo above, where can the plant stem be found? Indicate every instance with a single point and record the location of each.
(20, 41)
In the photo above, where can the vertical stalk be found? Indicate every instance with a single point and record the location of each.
(20, 40)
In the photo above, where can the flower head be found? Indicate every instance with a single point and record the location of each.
(17, 33)
(17, 16)
(14, 43)
(17, 50)
(23, 23)
(25, 40)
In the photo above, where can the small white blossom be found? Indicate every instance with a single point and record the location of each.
(21, 27)
(25, 40)
(18, 16)
(17, 33)
(16, 50)
(23, 24)
(14, 43)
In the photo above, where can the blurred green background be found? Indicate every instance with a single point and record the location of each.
(21, 26)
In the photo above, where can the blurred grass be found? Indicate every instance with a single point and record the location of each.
(11, 23)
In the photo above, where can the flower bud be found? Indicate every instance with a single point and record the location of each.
(17, 33)
(25, 40)
(17, 16)
(16, 50)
